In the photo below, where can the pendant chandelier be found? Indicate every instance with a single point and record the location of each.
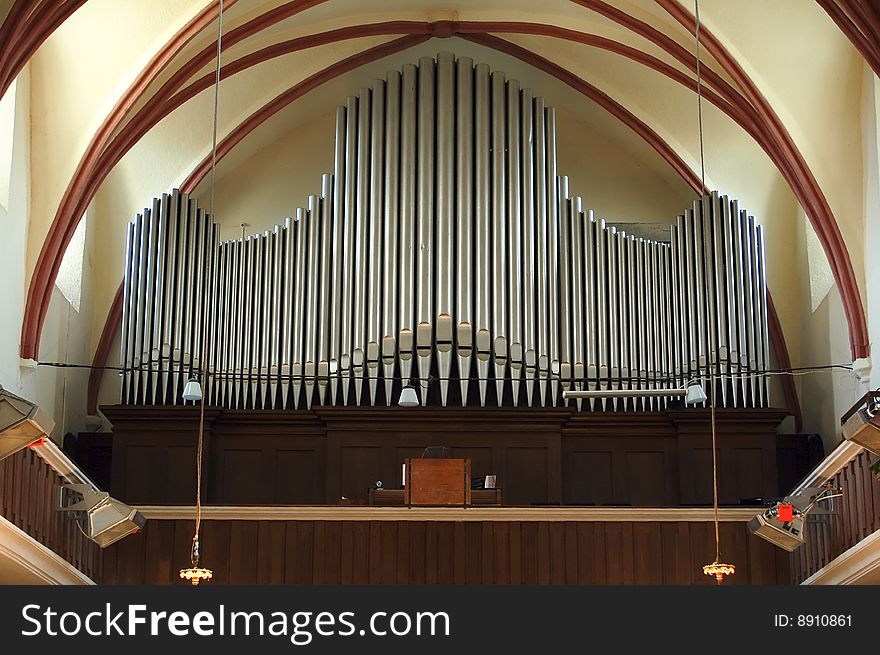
(196, 574)
(717, 568)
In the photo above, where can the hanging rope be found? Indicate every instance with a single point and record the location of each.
(699, 97)
(203, 364)
(716, 568)
(715, 475)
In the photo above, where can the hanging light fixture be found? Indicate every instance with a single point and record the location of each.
(193, 390)
(696, 394)
(717, 568)
(408, 397)
(196, 574)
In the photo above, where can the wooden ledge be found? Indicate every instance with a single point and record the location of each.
(367, 513)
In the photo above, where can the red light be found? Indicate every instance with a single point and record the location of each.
(786, 512)
(39, 442)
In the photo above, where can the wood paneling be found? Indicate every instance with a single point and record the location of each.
(588, 476)
(30, 492)
(442, 552)
(540, 456)
(296, 477)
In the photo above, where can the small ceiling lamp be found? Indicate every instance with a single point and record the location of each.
(695, 393)
(719, 570)
(196, 574)
(408, 397)
(193, 390)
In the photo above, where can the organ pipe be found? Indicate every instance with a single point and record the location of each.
(443, 246)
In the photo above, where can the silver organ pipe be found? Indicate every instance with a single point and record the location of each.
(527, 229)
(361, 242)
(514, 280)
(576, 282)
(300, 287)
(375, 296)
(325, 300)
(425, 183)
(540, 237)
(338, 214)
(285, 368)
(248, 289)
(138, 268)
(312, 282)
(483, 296)
(349, 244)
(124, 354)
(443, 247)
(273, 339)
(499, 232)
(151, 221)
(406, 232)
(464, 221)
(391, 218)
(566, 298)
(552, 251)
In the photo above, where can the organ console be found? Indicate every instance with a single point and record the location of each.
(444, 245)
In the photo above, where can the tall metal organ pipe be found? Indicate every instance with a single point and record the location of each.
(443, 248)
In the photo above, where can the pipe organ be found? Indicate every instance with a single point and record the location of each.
(444, 252)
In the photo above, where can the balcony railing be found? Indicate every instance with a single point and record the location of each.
(855, 515)
(30, 489)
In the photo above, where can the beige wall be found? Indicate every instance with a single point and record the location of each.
(825, 396)
(66, 336)
(871, 210)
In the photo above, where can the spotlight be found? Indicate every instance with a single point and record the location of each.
(861, 424)
(695, 393)
(408, 397)
(21, 423)
(783, 523)
(192, 390)
(785, 534)
(104, 520)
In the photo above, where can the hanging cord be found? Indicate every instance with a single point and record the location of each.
(216, 104)
(715, 476)
(712, 380)
(203, 364)
(700, 98)
(711, 376)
